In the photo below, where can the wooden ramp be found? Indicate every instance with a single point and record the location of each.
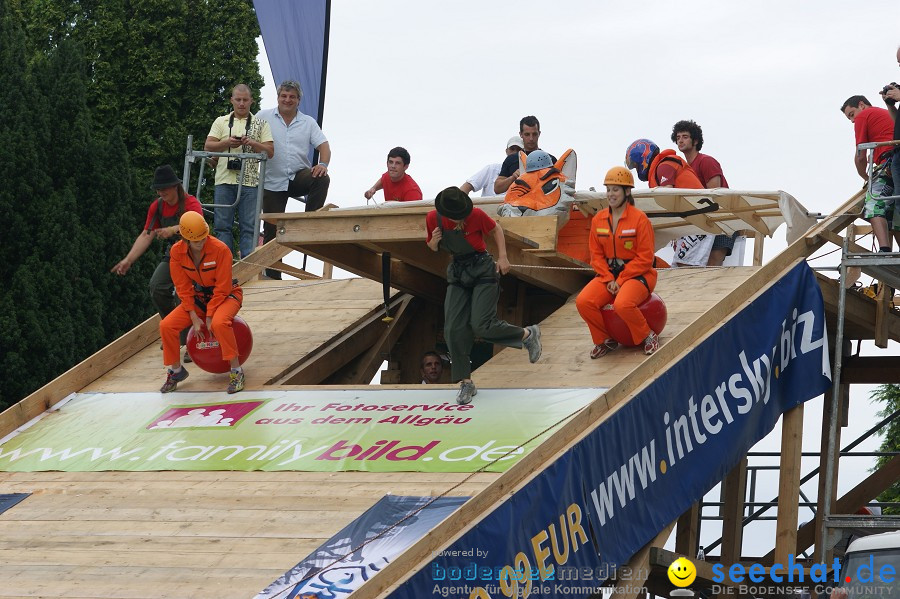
(230, 534)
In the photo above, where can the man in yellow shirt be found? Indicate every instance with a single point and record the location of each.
(238, 132)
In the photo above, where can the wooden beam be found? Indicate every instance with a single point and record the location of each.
(882, 309)
(640, 566)
(318, 365)
(789, 484)
(758, 240)
(362, 370)
(871, 370)
(259, 260)
(859, 311)
(734, 492)
(539, 229)
(351, 227)
(687, 535)
(365, 263)
(288, 269)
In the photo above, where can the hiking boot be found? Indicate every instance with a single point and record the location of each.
(604, 348)
(235, 381)
(172, 380)
(467, 391)
(533, 343)
(651, 343)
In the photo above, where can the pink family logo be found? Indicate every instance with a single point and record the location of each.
(220, 415)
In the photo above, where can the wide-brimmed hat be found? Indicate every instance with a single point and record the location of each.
(453, 203)
(164, 177)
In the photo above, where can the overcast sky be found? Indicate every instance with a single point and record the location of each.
(764, 79)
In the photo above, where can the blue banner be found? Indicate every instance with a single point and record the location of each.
(295, 33)
(566, 531)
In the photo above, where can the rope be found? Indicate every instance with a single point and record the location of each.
(428, 503)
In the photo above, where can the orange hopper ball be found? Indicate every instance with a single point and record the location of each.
(653, 309)
(208, 355)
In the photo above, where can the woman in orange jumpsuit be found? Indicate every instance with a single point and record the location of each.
(201, 270)
(622, 247)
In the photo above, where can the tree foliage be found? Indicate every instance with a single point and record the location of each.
(98, 93)
(889, 396)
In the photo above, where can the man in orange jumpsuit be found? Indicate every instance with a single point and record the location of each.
(622, 245)
(201, 270)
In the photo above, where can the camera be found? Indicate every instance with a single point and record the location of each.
(889, 87)
(234, 164)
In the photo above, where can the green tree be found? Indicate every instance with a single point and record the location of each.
(160, 69)
(103, 92)
(889, 396)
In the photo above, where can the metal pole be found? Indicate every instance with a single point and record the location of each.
(188, 158)
(260, 187)
(835, 405)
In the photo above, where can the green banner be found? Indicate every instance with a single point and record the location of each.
(372, 430)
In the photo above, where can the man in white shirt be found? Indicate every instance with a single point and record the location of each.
(484, 179)
(289, 173)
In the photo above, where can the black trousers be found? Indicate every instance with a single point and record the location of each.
(304, 184)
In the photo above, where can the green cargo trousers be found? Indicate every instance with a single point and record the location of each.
(470, 311)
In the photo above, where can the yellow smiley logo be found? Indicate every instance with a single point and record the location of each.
(682, 572)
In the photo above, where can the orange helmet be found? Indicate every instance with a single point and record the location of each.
(619, 175)
(193, 226)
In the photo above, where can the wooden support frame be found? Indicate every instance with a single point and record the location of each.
(330, 357)
(687, 535)
(789, 484)
(364, 263)
(871, 370)
(734, 492)
(867, 490)
(362, 370)
(642, 564)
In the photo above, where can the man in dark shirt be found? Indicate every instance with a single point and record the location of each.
(891, 95)
(530, 132)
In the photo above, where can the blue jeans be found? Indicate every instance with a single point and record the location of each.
(224, 217)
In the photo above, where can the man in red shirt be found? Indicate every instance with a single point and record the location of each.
(872, 124)
(688, 136)
(397, 185)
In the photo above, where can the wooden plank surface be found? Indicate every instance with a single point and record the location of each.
(182, 534)
(566, 362)
(289, 319)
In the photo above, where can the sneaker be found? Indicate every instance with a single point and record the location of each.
(235, 381)
(187, 358)
(604, 348)
(467, 391)
(651, 343)
(533, 343)
(172, 380)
